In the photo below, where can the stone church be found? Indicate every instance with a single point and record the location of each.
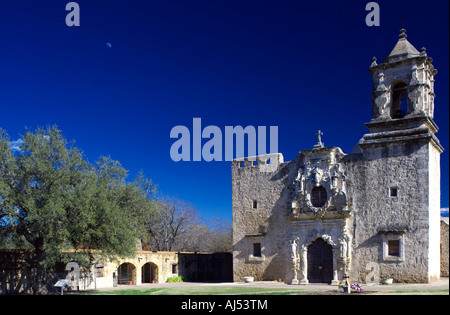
(374, 213)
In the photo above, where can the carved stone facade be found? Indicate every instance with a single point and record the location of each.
(327, 215)
(320, 184)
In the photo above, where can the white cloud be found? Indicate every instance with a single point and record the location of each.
(444, 212)
(15, 145)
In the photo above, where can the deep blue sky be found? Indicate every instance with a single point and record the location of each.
(299, 65)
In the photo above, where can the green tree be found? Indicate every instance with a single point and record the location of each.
(54, 201)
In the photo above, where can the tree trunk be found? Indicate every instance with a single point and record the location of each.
(39, 271)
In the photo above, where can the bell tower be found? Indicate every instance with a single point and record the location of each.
(403, 96)
(403, 83)
(401, 154)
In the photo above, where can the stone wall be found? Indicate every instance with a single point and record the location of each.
(380, 217)
(259, 217)
(263, 214)
(444, 247)
(434, 204)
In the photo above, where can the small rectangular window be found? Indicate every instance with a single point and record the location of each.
(174, 268)
(99, 271)
(394, 248)
(256, 249)
(393, 192)
(255, 204)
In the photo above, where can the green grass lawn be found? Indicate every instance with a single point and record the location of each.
(201, 291)
(234, 290)
(416, 292)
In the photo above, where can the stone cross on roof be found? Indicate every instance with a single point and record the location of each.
(319, 144)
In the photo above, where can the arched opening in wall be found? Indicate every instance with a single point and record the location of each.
(399, 101)
(318, 196)
(320, 262)
(149, 273)
(127, 274)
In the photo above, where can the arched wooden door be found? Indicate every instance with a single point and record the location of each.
(320, 262)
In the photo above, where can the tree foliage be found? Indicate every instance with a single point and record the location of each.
(55, 202)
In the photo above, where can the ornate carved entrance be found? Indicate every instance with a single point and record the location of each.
(320, 262)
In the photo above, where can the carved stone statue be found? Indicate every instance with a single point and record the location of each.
(300, 182)
(415, 104)
(315, 173)
(340, 199)
(294, 250)
(343, 248)
(379, 105)
(344, 243)
(380, 97)
(338, 179)
(294, 260)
